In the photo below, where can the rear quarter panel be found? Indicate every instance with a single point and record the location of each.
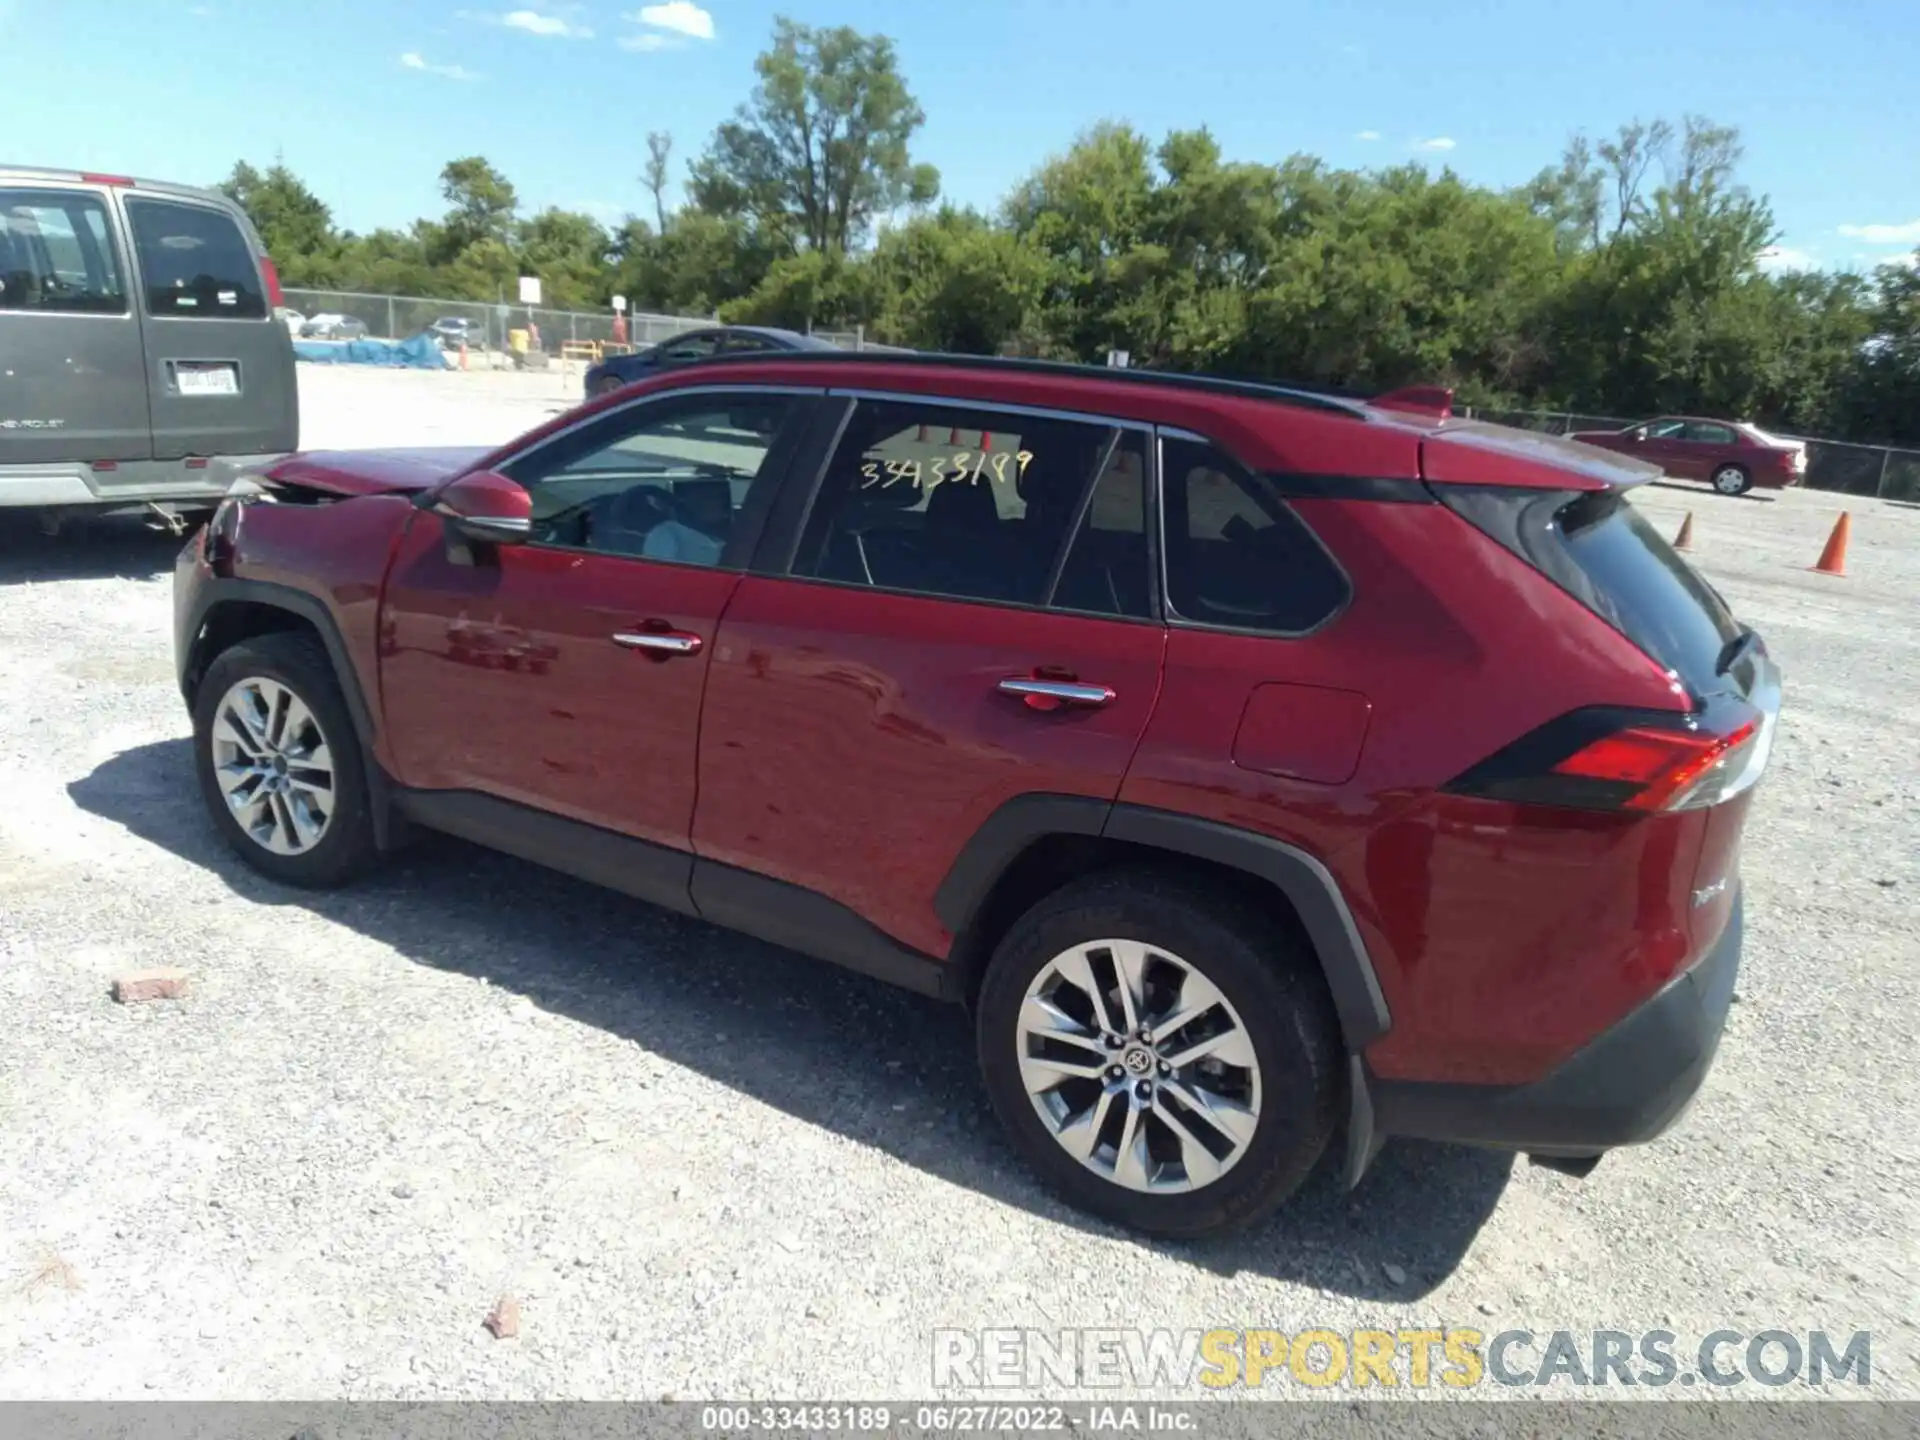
(1502, 937)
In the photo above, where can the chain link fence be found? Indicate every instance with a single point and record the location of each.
(1884, 471)
(396, 317)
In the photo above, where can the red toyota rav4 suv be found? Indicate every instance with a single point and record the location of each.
(1253, 763)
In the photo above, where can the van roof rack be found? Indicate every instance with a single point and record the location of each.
(1312, 398)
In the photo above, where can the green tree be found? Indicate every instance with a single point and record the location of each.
(822, 147)
(814, 288)
(659, 152)
(295, 224)
(952, 281)
(483, 204)
(569, 252)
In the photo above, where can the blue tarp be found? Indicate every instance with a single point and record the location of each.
(421, 352)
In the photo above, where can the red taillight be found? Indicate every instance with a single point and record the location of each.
(96, 178)
(270, 272)
(1639, 761)
(1660, 765)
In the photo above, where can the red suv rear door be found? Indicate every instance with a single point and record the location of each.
(565, 675)
(964, 615)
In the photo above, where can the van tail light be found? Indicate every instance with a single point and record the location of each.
(95, 177)
(1627, 760)
(270, 272)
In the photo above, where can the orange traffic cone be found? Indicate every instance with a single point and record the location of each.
(1684, 540)
(1833, 559)
(463, 354)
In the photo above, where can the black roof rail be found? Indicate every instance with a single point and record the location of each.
(1336, 403)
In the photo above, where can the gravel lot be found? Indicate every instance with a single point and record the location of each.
(709, 1168)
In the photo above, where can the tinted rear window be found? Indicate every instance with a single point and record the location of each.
(195, 263)
(1602, 551)
(57, 254)
(1645, 589)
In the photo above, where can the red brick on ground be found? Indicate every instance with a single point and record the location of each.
(504, 1319)
(144, 985)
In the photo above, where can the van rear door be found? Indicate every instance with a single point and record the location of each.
(72, 377)
(219, 364)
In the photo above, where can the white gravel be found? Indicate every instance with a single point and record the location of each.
(709, 1168)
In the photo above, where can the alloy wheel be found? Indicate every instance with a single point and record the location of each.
(1138, 1066)
(274, 765)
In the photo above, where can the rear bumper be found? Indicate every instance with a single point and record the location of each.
(131, 483)
(1625, 1087)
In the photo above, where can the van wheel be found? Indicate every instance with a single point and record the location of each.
(280, 765)
(1158, 1055)
(1732, 480)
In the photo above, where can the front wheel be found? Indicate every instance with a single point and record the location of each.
(1158, 1054)
(280, 763)
(1732, 480)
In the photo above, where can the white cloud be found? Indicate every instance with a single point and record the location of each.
(1776, 258)
(1907, 234)
(1368, 135)
(1439, 142)
(532, 22)
(649, 41)
(682, 17)
(412, 60)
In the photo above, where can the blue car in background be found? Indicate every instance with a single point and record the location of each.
(618, 370)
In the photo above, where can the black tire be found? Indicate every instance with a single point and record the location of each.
(607, 384)
(1732, 480)
(298, 661)
(1277, 993)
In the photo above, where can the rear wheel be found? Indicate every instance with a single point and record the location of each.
(1158, 1055)
(280, 765)
(1732, 480)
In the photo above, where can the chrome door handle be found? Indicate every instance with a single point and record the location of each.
(1065, 692)
(659, 642)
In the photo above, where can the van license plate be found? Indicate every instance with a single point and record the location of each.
(207, 379)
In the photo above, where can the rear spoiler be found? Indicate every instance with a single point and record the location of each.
(1435, 401)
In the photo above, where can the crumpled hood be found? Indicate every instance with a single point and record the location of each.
(374, 472)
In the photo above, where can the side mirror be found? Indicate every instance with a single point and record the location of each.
(486, 506)
(1639, 432)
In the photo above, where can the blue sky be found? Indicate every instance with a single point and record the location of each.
(366, 99)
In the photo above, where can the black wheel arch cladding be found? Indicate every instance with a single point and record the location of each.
(1299, 877)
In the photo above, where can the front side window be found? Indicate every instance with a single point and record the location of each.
(194, 262)
(1665, 429)
(679, 479)
(57, 256)
(1236, 555)
(980, 504)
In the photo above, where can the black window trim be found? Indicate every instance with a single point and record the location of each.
(778, 563)
(248, 242)
(1174, 619)
(755, 525)
(120, 244)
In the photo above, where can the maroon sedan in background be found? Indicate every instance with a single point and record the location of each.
(1732, 456)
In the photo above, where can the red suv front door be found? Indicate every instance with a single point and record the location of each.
(966, 618)
(566, 674)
